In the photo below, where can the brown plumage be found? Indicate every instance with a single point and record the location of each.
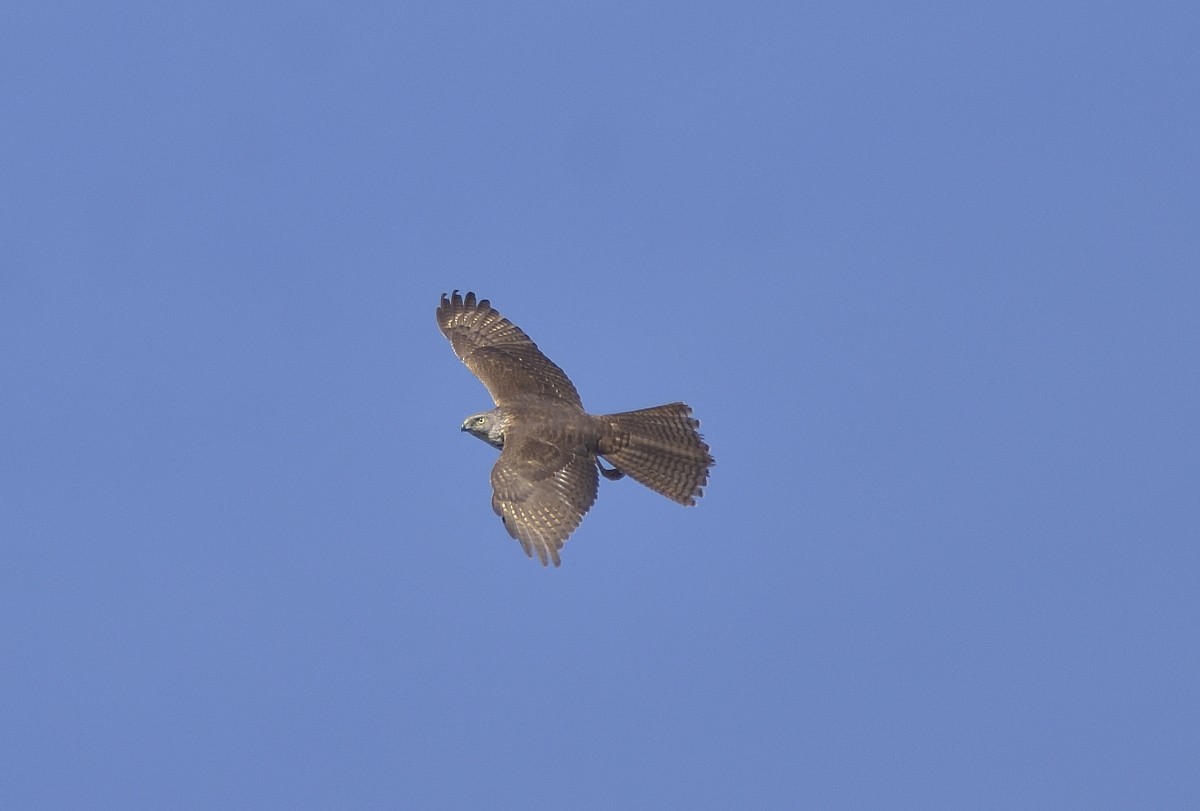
(546, 477)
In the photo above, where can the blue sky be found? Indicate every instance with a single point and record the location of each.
(927, 273)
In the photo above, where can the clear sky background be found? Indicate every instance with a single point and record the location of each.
(928, 273)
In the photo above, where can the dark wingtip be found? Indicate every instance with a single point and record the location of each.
(457, 302)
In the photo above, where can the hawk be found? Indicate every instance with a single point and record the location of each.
(546, 477)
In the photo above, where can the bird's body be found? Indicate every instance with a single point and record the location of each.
(570, 423)
(546, 477)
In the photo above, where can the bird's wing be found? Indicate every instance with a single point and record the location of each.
(541, 490)
(503, 357)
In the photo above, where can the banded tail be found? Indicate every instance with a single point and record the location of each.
(660, 447)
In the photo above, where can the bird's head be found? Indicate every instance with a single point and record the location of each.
(487, 426)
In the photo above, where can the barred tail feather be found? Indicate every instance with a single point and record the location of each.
(660, 447)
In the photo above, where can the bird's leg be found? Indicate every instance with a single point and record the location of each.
(610, 474)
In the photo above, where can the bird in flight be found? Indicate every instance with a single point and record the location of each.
(547, 474)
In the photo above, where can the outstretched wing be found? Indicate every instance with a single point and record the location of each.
(503, 357)
(541, 491)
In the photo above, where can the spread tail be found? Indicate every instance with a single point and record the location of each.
(661, 448)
